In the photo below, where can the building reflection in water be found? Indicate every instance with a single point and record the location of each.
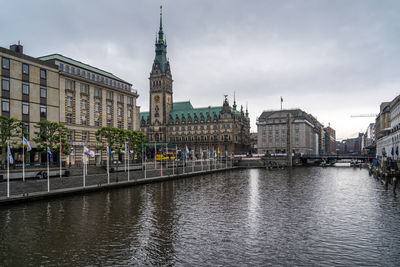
(254, 208)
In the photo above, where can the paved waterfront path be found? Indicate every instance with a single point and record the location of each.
(38, 187)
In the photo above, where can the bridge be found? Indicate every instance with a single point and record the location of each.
(336, 157)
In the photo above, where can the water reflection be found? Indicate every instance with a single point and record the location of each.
(253, 201)
(307, 216)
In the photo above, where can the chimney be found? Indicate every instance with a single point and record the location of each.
(17, 48)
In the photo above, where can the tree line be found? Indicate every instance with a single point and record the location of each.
(53, 134)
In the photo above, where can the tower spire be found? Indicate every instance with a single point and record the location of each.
(234, 100)
(247, 110)
(160, 32)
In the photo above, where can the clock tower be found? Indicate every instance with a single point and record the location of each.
(160, 89)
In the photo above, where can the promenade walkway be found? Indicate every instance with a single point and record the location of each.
(35, 189)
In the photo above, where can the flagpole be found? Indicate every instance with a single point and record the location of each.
(60, 156)
(84, 167)
(48, 172)
(8, 170)
(161, 157)
(166, 160)
(193, 161)
(128, 164)
(23, 160)
(155, 156)
(125, 156)
(108, 166)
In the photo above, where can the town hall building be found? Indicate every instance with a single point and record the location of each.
(222, 128)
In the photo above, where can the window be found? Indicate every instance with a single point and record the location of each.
(78, 72)
(5, 84)
(69, 101)
(43, 74)
(5, 63)
(25, 108)
(84, 136)
(83, 104)
(97, 122)
(5, 105)
(108, 123)
(119, 111)
(69, 118)
(120, 125)
(129, 126)
(97, 92)
(120, 98)
(84, 88)
(69, 137)
(61, 67)
(25, 69)
(183, 128)
(69, 85)
(83, 74)
(72, 70)
(97, 106)
(87, 75)
(66, 68)
(43, 92)
(129, 113)
(195, 127)
(215, 127)
(109, 95)
(201, 127)
(43, 111)
(25, 88)
(83, 120)
(130, 101)
(108, 109)
(25, 130)
(92, 76)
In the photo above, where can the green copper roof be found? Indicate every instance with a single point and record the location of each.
(161, 49)
(182, 105)
(81, 65)
(144, 115)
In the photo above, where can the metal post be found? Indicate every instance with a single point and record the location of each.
(48, 172)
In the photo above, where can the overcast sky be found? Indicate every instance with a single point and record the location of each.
(330, 58)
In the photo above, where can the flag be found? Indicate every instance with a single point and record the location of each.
(87, 151)
(209, 152)
(50, 154)
(226, 153)
(109, 151)
(26, 143)
(187, 150)
(397, 150)
(218, 150)
(392, 152)
(184, 154)
(10, 157)
(61, 148)
(130, 152)
(215, 153)
(281, 99)
(143, 150)
(163, 152)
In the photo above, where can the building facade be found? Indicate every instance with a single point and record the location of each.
(61, 89)
(216, 128)
(278, 130)
(91, 98)
(387, 129)
(29, 92)
(330, 141)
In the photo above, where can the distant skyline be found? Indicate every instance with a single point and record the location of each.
(332, 59)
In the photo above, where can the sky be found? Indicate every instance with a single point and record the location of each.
(332, 59)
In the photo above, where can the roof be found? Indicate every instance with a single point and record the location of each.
(144, 115)
(81, 65)
(185, 109)
(26, 57)
(182, 105)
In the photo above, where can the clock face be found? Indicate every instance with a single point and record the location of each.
(157, 99)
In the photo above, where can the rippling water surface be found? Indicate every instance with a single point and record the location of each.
(307, 216)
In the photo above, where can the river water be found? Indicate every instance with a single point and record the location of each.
(306, 216)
